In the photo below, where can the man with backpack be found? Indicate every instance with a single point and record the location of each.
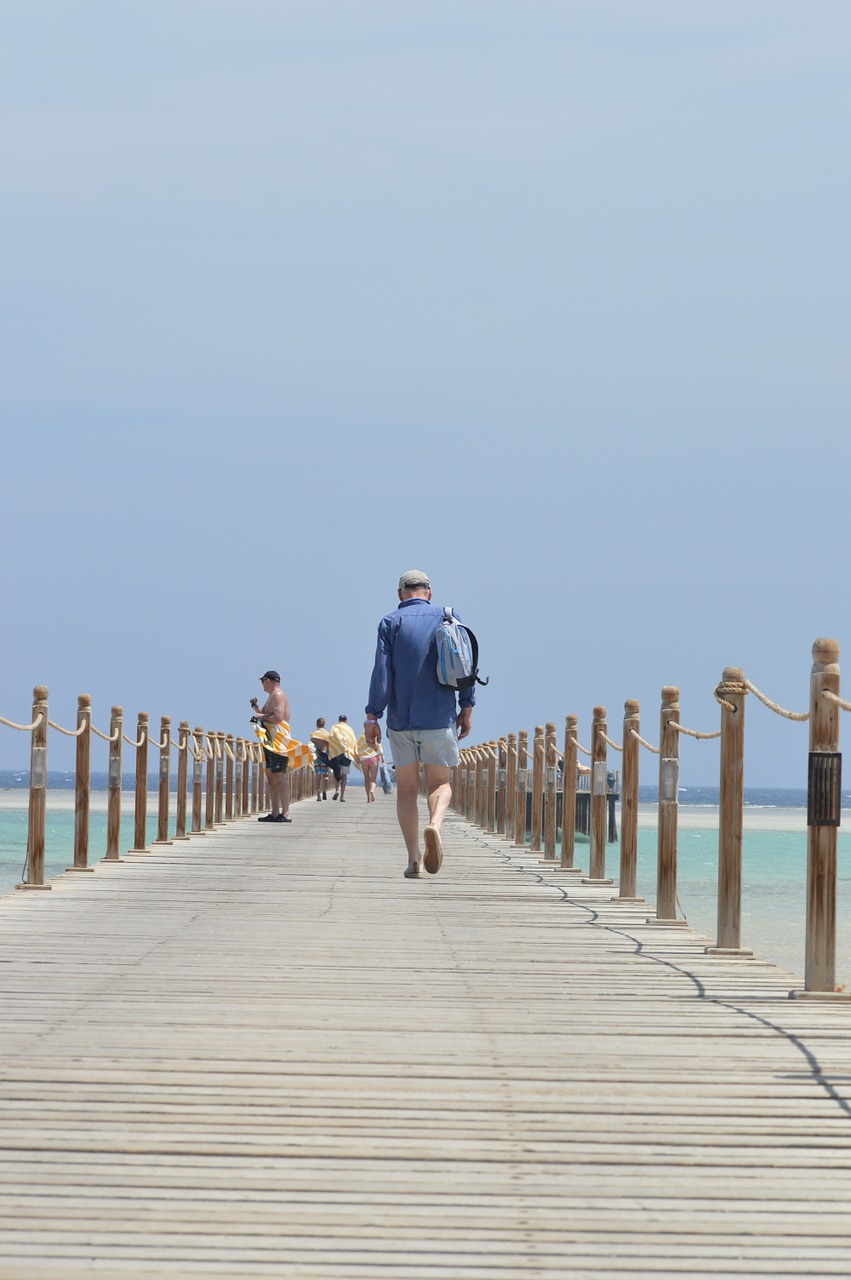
(423, 721)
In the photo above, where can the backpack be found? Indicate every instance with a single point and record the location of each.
(457, 653)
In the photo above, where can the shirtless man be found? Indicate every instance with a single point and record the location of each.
(275, 710)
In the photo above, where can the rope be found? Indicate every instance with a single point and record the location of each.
(113, 737)
(132, 743)
(159, 746)
(606, 738)
(834, 697)
(69, 733)
(772, 706)
(228, 750)
(655, 750)
(25, 728)
(580, 747)
(692, 733)
(217, 750)
(180, 746)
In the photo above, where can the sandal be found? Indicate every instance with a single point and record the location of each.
(433, 857)
(413, 873)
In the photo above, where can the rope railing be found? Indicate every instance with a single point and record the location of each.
(773, 706)
(107, 737)
(24, 728)
(649, 745)
(693, 733)
(834, 698)
(824, 803)
(69, 733)
(232, 791)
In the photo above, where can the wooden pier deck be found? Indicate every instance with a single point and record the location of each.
(265, 1053)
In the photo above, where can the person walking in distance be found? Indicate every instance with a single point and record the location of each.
(342, 750)
(272, 719)
(321, 764)
(423, 721)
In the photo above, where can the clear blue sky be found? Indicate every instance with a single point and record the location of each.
(549, 299)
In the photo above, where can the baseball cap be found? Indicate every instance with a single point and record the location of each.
(271, 675)
(413, 578)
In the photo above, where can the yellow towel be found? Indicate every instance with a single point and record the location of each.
(276, 738)
(365, 751)
(322, 734)
(342, 742)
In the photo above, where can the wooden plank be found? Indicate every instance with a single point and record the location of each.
(265, 1053)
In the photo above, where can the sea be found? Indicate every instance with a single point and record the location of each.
(774, 856)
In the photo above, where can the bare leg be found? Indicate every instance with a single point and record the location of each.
(276, 795)
(407, 792)
(438, 792)
(370, 773)
(344, 782)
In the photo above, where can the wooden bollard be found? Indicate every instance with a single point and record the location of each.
(229, 779)
(492, 786)
(823, 811)
(113, 803)
(550, 792)
(140, 821)
(669, 783)
(210, 793)
(599, 800)
(220, 776)
(470, 810)
(82, 784)
(260, 775)
(182, 780)
(38, 793)
(246, 777)
(238, 770)
(510, 786)
(732, 691)
(629, 803)
(164, 781)
(199, 749)
(536, 826)
(521, 789)
(501, 784)
(481, 784)
(568, 802)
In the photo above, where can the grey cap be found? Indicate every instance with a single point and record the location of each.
(412, 579)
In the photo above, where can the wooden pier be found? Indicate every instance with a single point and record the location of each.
(262, 1052)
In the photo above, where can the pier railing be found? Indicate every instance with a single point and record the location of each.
(493, 779)
(227, 782)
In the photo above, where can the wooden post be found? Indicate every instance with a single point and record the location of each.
(550, 793)
(230, 776)
(511, 787)
(731, 816)
(493, 784)
(113, 809)
(629, 803)
(598, 801)
(38, 793)
(823, 805)
(536, 826)
(568, 802)
(140, 825)
(82, 784)
(246, 777)
(220, 775)
(165, 781)
(237, 770)
(470, 813)
(522, 786)
(182, 780)
(501, 784)
(210, 795)
(669, 785)
(198, 741)
(260, 802)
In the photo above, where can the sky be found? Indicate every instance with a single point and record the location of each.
(547, 299)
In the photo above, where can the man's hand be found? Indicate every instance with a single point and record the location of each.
(372, 732)
(464, 721)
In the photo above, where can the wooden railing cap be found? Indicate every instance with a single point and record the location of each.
(825, 651)
(40, 693)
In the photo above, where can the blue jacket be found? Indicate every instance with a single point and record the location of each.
(404, 677)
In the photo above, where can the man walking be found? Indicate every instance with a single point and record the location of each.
(423, 723)
(342, 750)
(273, 724)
